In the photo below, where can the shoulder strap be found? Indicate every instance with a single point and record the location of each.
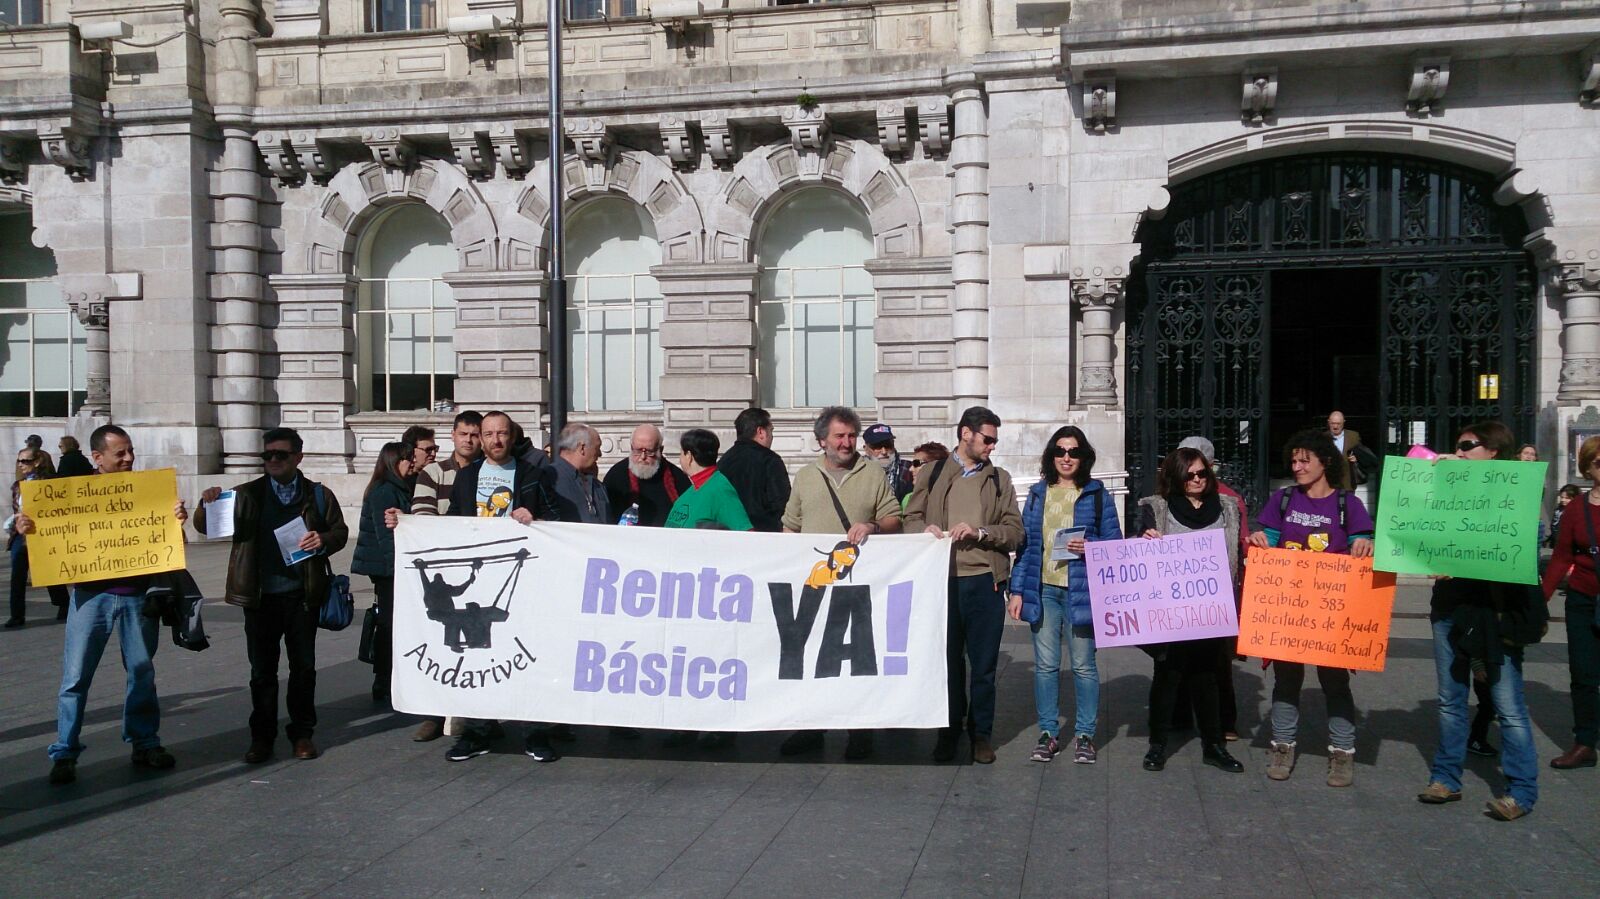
(1283, 505)
(833, 494)
(1343, 517)
(1099, 508)
(938, 468)
(1588, 521)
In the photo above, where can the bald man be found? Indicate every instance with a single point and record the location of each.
(645, 478)
(1349, 443)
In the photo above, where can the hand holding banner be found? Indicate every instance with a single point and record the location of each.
(1159, 591)
(1316, 608)
(102, 526)
(1463, 518)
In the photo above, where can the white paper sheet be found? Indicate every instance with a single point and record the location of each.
(219, 516)
(289, 542)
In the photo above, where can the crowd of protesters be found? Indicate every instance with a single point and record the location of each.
(1024, 563)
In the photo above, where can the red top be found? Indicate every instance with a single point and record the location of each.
(1244, 518)
(1572, 551)
(700, 477)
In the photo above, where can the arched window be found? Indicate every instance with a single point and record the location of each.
(405, 313)
(43, 371)
(816, 306)
(613, 307)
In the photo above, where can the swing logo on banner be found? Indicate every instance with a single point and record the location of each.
(587, 624)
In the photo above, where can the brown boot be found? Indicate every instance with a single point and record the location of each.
(982, 752)
(304, 749)
(1579, 756)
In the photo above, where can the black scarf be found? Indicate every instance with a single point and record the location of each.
(1196, 519)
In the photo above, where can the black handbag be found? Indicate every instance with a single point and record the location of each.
(367, 651)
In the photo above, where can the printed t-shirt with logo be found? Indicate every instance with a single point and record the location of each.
(496, 484)
(1313, 524)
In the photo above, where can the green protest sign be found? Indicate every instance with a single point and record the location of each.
(1461, 518)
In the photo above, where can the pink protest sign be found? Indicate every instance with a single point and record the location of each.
(1158, 591)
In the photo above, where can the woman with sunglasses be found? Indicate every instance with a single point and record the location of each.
(1187, 500)
(30, 467)
(1577, 544)
(393, 479)
(1315, 514)
(1066, 508)
(1479, 631)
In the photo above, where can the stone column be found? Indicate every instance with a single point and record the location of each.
(1097, 378)
(974, 27)
(315, 380)
(1580, 331)
(969, 216)
(913, 336)
(97, 359)
(500, 343)
(236, 337)
(708, 341)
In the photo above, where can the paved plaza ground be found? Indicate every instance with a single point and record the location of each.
(380, 815)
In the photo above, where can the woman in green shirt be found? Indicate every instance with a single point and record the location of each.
(711, 500)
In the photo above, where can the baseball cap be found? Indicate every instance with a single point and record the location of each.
(877, 435)
(1203, 445)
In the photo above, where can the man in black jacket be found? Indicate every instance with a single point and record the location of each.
(757, 473)
(281, 600)
(73, 463)
(646, 479)
(499, 485)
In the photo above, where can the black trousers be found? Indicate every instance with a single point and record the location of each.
(383, 639)
(1583, 660)
(282, 618)
(977, 616)
(19, 582)
(1186, 668)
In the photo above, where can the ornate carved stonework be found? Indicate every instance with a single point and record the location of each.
(1260, 99)
(808, 129)
(13, 161)
(1099, 101)
(512, 150)
(390, 148)
(1097, 378)
(721, 143)
(677, 142)
(1430, 78)
(893, 125)
(310, 157)
(1097, 293)
(933, 126)
(280, 158)
(1576, 277)
(590, 140)
(67, 148)
(472, 151)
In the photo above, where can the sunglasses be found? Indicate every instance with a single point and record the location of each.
(27, 461)
(987, 440)
(1076, 452)
(1467, 446)
(1197, 476)
(275, 455)
(429, 450)
(916, 463)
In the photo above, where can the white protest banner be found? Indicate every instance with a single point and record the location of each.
(1161, 590)
(674, 629)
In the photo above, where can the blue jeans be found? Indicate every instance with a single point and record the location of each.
(1517, 758)
(89, 625)
(1053, 629)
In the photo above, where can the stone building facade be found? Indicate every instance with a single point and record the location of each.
(910, 205)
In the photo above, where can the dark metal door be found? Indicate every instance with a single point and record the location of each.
(1198, 358)
(1457, 348)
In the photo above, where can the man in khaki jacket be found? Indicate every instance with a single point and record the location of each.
(843, 492)
(971, 501)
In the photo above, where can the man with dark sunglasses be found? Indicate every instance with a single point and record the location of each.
(281, 598)
(970, 500)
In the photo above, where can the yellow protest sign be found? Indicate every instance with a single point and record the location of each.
(103, 526)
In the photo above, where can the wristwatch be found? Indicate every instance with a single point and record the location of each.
(983, 534)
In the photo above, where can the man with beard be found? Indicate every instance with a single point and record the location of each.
(645, 479)
(879, 440)
(840, 493)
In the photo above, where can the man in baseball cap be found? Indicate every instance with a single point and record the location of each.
(879, 440)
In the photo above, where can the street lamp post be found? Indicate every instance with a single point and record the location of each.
(560, 392)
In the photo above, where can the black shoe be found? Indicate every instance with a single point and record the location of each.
(562, 733)
(467, 748)
(1216, 755)
(380, 695)
(945, 749)
(1156, 758)
(537, 747)
(859, 745)
(14, 623)
(155, 757)
(801, 742)
(1480, 746)
(64, 771)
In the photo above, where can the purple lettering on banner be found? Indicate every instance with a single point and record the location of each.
(1162, 590)
(898, 626)
(600, 587)
(638, 593)
(589, 673)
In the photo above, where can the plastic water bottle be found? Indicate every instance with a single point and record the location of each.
(630, 517)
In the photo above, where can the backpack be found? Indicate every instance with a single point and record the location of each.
(1283, 510)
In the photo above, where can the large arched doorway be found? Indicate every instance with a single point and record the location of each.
(1389, 287)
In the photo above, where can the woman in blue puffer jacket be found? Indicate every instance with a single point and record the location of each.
(1050, 588)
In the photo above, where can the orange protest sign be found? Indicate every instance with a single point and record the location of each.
(1316, 608)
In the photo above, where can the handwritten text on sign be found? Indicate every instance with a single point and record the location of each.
(1316, 608)
(103, 526)
(1462, 518)
(1158, 591)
